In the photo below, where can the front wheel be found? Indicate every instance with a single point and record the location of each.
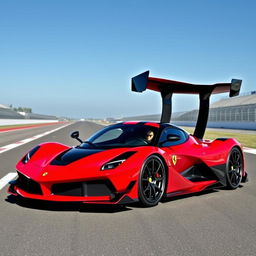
(234, 168)
(152, 181)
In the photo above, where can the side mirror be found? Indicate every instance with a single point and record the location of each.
(75, 135)
(173, 137)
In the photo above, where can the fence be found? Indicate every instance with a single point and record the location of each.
(245, 113)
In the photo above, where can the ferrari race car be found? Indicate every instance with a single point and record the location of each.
(136, 161)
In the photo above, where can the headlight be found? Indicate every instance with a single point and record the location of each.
(112, 165)
(27, 157)
(117, 161)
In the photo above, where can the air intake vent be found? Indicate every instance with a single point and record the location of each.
(89, 188)
(28, 185)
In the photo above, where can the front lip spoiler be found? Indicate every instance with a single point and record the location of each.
(125, 199)
(118, 198)
(11, 189)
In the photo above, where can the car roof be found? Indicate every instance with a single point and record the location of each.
(151, 123)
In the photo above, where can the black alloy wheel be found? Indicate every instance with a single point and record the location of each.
(152, 181)
(234, 168)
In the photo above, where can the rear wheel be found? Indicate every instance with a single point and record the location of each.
(234, 168)
(152, 181)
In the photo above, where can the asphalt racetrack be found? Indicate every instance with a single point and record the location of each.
(220, 222)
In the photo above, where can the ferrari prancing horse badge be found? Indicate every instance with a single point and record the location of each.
(174, 159)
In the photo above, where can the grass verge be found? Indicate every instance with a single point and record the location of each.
(247, 140)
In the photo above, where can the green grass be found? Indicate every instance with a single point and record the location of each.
(246, 139)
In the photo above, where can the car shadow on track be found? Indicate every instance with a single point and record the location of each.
(180, 197)
(94, 208)
(205, 192)
(65, 206)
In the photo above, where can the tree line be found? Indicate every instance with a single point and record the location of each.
(22, 109)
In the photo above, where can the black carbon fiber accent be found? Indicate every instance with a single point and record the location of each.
(199, 172)
(72, 155)
(202, 172)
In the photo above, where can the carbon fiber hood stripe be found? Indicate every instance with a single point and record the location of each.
(72, 155)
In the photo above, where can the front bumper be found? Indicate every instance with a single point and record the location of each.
(96, 191)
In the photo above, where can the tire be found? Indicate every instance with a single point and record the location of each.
(234, 168)
(152, 181)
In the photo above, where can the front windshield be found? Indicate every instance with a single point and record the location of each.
(123, 135)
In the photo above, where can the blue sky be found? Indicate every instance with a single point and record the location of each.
(76, 58)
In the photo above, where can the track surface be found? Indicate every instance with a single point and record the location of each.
(214, 223)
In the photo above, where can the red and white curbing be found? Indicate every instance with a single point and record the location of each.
(27, 126)
(22, 142)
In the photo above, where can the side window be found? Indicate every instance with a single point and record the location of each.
(172, 131)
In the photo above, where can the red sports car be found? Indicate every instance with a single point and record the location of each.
(136, 161)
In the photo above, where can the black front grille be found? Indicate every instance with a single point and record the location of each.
(28, 185)
(89, 188)
(68, 189)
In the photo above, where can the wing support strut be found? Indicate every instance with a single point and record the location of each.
(166, 106)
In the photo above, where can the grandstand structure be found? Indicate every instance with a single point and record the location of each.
(8, 113)
(38, 116)
(236, 109)
(235, 113)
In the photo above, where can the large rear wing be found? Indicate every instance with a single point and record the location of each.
(167, 87)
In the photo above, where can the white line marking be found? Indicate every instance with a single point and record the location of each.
(7, 178)
(22, 142)
(250, 150)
